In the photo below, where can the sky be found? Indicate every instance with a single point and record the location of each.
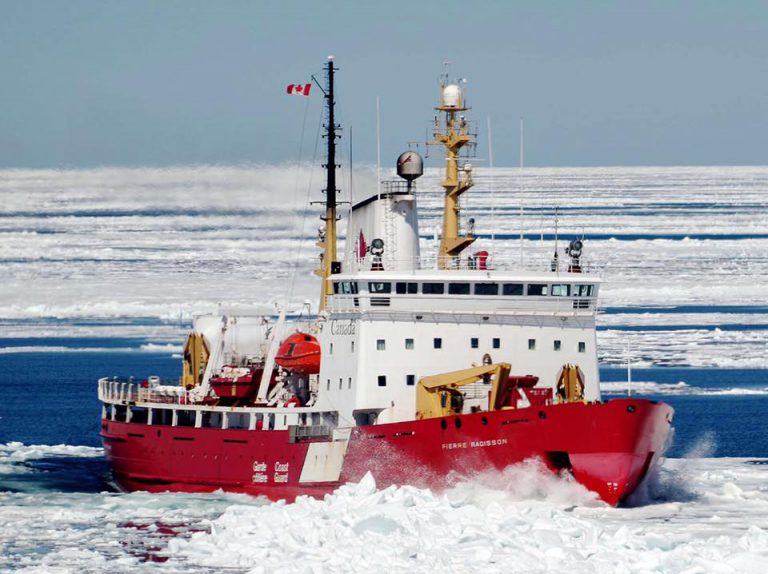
(179, 82)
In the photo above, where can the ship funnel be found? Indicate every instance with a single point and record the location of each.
(410, 166)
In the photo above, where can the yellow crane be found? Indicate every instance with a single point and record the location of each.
(438, 395)
(196, 357)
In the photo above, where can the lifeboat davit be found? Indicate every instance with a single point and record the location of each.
(299, 353)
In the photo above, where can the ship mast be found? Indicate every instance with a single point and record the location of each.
(327, 236)
(452, 133)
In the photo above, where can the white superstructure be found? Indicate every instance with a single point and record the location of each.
(394, 319)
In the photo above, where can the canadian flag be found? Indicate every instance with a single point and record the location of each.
(299, 89)
(362, 247)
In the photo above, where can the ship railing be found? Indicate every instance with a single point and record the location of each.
(124, 390)
(479, 261)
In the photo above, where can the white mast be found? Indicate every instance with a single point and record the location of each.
(522, 156)
(378, 147)
(493, 180)
(629, 372)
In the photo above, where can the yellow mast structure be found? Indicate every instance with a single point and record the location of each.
(327, 238)
(453, 134)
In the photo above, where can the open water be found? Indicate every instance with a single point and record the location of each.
(103, 269)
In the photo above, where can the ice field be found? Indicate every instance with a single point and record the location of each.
(115, 243)
(106, 262)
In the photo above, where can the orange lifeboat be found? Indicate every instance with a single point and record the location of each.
(299, 353)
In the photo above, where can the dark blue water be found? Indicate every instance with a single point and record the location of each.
(706, 424)
(50, 398)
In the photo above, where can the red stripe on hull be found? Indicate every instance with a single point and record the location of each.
(608, 447)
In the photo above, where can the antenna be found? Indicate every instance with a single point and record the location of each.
(378, 147)
(555, 265)
(522, 221)
(629, 372)
(493, 181)
(351, 203)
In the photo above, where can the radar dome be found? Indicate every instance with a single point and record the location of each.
(410, 165)
(451, 96)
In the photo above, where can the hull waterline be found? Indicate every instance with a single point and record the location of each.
(608, 447)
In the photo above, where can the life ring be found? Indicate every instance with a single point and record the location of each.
(292, 402)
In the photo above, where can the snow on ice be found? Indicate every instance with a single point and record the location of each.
(170, 243)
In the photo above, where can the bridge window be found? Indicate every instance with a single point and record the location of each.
(382, 380)
(512, 289)
(474, 342)
(458, 288)
(531, 344)
(410, 380)
(409, 344)
(496, 343)
(348, 288)
(486, 289)
(380, 287)
(409, 288)
(538, 289)
(381, 344)
(561, 290)
(433, 288)
(583, 290)
(437, 343)
(557, 345)
(582, 347)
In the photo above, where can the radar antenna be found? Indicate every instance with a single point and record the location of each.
(452, 132)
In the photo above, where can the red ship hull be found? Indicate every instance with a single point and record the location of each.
(608, 447)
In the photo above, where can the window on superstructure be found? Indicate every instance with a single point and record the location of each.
(582, 347)
(512, 289)
(557, 345)
(409, 344)
(531, 344)
(381, 344)
(335, 288)
(349, 383)
(328, 386)
(380, 287)
(458, 288)
(349, 288)
(583, 290)
(496, 343)
(351, 346)
(538, 289)
(437, 343)
(382, 380)
(474, 342)
(330, 348)
(433, 288)
(410, 380)
(409, 288)
(341, 383)
(561, 290)
(486, 289)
